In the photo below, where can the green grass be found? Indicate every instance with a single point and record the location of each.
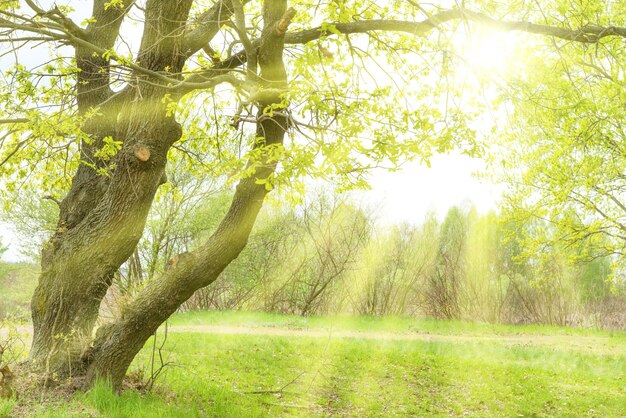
(7, 406)
(222, 375)
(372, 323)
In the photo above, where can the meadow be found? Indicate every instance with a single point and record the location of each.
(236, 364)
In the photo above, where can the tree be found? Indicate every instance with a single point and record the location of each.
(394, 265)
(296, 260)
(110, 118)
(446, 279)
(565, 154)
(484, 290)
(331, 234)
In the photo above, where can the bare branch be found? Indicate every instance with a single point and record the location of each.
(189, 85)
(240, 28)
(104, 28)
(57, 16)
(14, 151)
(53, 199)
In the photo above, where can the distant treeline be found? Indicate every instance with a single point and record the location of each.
(329, 256)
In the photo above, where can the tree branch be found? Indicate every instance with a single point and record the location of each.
(58, 17)
(42, 29)
(16, 120)
(285, 21)
(209, 23)
(586, 34)
(105, 25)
(189, 85)
(249, 48)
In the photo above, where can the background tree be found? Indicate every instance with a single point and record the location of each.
(564, 153)
(485, 289)
(445, 281)
(335, 233)
(297, 259)
(391, 277)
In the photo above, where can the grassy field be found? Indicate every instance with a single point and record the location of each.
(248, 365)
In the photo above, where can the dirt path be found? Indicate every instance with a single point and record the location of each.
(591, 344)
(595, 344)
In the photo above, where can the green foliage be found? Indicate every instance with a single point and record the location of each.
(40, 154)
(354, 106)
(593, 282)
(114, 3)
(563, 157)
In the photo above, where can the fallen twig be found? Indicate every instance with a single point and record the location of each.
(274, 391)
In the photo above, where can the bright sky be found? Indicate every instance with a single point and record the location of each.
(408, 195)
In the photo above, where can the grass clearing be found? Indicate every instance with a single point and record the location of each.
(477, 370)
(370, 323)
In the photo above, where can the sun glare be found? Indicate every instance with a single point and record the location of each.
(488, 53)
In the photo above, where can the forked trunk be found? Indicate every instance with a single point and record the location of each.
(102, 218)
(103, 215)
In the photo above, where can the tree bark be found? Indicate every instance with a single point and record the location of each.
(64, 311)
(102, 218)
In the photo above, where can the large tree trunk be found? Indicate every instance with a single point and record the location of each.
(102, 218)
(66, 301)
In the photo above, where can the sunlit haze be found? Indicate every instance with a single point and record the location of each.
(487, 51)
(408, 195)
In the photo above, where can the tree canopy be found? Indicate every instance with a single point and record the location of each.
(370, 85)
